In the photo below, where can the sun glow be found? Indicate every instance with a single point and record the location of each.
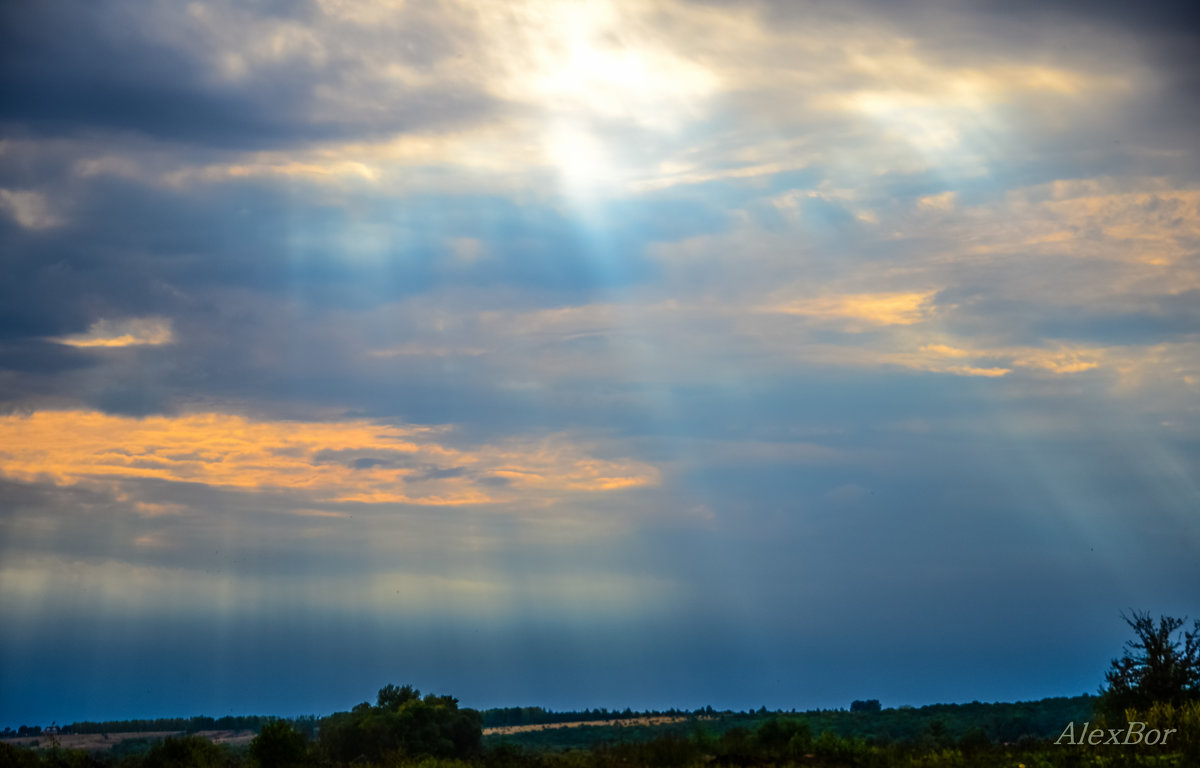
(600, 79)
(593, 59)
(583, 161)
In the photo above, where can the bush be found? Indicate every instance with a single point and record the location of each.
(17, 757)
(279, 745)
(1185, 719)
(185, 752)
(402, 724)
(784, 738)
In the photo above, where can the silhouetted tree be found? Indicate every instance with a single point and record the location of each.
(14, 757)
(784, 738)
(392, 698)
(185, 752)
(870, 705)
(1157, 666)
(279, 745)
(402, 724)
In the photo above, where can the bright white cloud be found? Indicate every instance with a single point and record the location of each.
(29, 208)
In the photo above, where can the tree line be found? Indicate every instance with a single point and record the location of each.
(1156, 681)
(152, 725)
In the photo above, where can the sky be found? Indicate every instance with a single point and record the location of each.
(629, 353)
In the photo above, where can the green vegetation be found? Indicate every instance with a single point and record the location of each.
(400, 725)
(1153, 689)
(404, 729)
(935, 724)
(279, 745)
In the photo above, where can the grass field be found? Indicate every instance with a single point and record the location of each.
(626, 722)
(99, 741)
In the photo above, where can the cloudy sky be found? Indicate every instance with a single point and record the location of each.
(638, 353)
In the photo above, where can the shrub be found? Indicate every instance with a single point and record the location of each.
(279, 745)
(185, 752)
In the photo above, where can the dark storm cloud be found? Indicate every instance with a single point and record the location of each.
(130, 245)
(41, 357)
(1165, 318)
(214, 258)
(206, 531)
(1167, 34)
(38, 299)
(76, 68)
(1015, 25)
(1147, 321)
(1158, 19)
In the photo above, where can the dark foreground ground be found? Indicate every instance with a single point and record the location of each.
(977, 735)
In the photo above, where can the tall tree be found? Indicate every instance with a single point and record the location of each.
(402, 725)
(1159, 665)
(391, 697)
(279, 745)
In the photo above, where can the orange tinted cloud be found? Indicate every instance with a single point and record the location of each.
(1059, 360)
(150, 331)
(326, 461)
(869, 308)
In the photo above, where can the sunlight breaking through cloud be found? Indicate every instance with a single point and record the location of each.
(710, 335)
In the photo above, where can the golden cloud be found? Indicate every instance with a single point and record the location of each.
(958, 361)
(1060, 360)
(1154, 224)
(934, 365)
(130, 332)
(944, 350)
(326, 461)
(876, 309)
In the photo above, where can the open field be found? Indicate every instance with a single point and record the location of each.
(99, 741)
(629, 722)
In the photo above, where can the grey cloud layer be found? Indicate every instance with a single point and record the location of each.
(220, 74)
(898, 299)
